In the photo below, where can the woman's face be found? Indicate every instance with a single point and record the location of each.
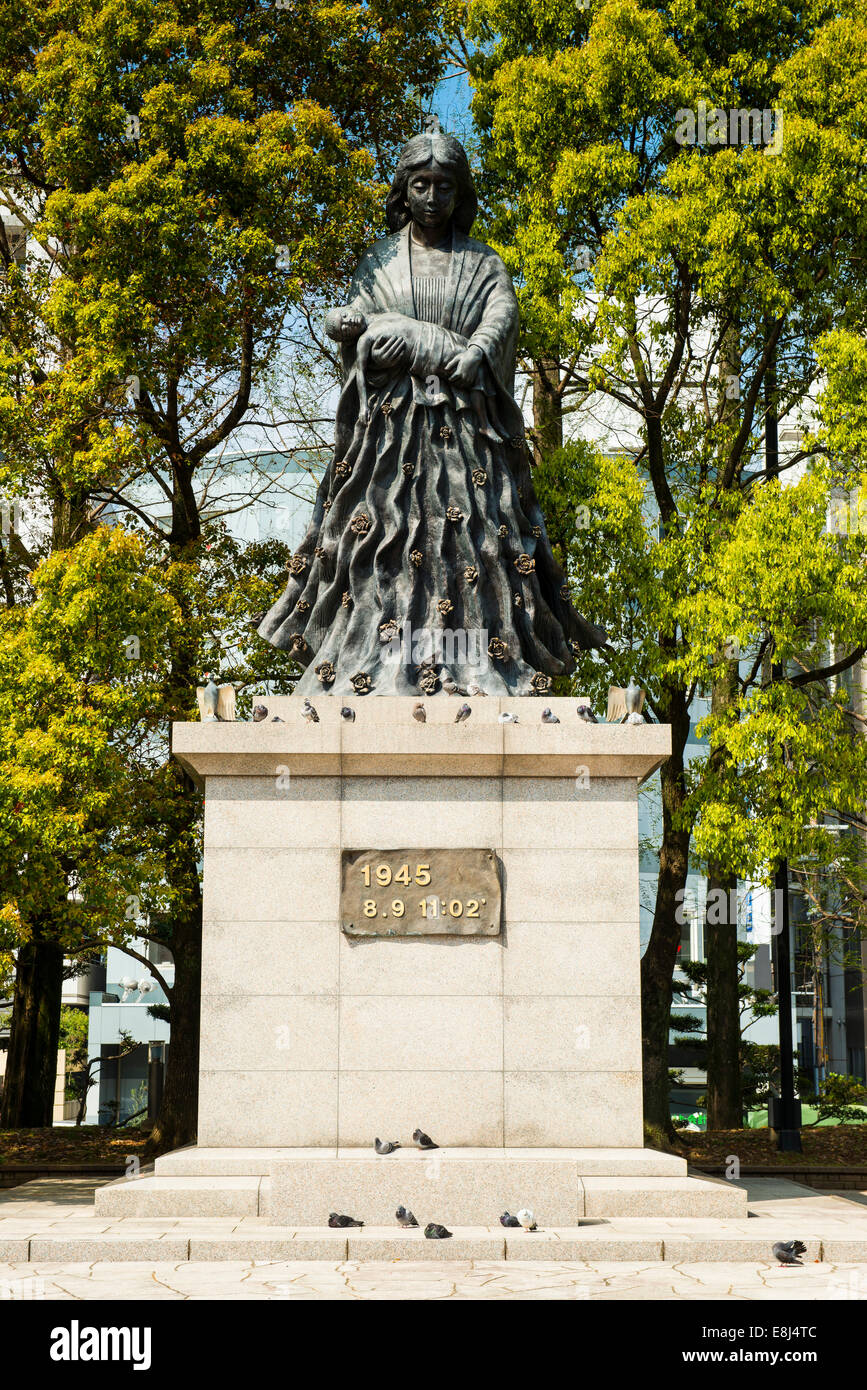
(431, 195)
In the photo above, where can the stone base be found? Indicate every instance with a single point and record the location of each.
(458, 1187)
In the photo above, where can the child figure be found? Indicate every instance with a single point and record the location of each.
(429, 345)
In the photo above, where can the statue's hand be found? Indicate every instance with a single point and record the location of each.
(389, 352)
(463, 368)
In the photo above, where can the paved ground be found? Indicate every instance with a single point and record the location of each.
(452, 1279)
(698, 1259)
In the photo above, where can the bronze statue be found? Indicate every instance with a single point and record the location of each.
(426, 565)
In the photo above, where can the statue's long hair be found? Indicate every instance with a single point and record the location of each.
(418, 153)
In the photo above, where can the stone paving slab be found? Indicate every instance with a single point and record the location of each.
(453, 1280)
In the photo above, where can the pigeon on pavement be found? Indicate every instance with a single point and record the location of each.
(787, 1252)
(433, 1231)
(506, 718)
(405, 1218)
(385, 1146)
(527, 1219)
(422, 1140)
(507, 1220)
(338, 1222)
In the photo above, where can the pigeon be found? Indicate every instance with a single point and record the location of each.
(309, 712)
(463, 713)
(451, 687)
(260, 712)
(422, 1140)
(507, 1220)
(633, 695)
(338, 1223)
(787, 1252)
(277, 720)
(433, 1231)
(507, 718)
(210, 698)
(527, 1219)
(548, 717)
(476, 690)
(405, 1218)
(586, 714)
(418, 712)
(347, 714)
(385, 1146)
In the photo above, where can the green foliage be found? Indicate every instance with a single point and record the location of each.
(839, 1098)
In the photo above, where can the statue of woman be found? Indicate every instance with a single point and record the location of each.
(426, 565)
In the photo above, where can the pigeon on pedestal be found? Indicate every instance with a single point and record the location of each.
(385, 1146)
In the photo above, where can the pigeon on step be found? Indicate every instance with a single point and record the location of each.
(787, 1252)
(434, 1231)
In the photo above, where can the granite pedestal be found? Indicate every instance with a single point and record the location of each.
(520, 1053)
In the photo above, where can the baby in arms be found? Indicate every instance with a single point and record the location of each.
(429, 346)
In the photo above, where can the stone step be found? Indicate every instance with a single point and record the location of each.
(178, 1196)
(196, 1161)
(449, 1188)
(684, 1196)
(590, 1243)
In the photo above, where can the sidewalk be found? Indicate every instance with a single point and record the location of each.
(53, 1246)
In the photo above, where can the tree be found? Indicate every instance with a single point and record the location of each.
(74, 715)
(684, 290)
(192, 174)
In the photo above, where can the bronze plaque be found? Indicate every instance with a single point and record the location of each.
(420, 892)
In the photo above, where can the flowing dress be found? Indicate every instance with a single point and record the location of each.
(426, 560)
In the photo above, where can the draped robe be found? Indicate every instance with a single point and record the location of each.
(427, 558)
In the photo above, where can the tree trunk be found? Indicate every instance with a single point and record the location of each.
(176, 1123)
(724, 1109)
(547, 405)
(31, 1070)
(658, 961)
